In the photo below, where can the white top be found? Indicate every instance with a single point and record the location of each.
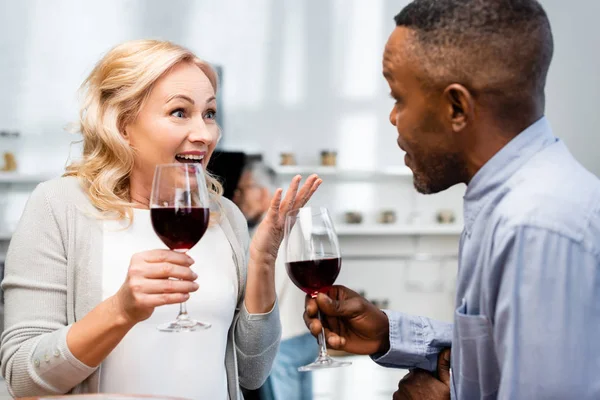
(189, 365)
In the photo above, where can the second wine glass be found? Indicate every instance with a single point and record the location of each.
(180, 213)
(313, 262)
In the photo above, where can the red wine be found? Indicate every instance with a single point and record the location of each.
(180, 228)
(314, 276)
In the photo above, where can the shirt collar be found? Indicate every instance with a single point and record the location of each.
(492, 176)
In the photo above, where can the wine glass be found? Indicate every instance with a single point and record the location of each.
(313, 262)
(180, 212)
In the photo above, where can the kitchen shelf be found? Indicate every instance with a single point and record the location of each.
(343, 173)
(376, 230)
(399, 230)
(20, 178)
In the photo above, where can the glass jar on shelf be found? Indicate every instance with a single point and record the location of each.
(9, 149)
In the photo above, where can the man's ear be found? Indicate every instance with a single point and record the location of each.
(460, 106)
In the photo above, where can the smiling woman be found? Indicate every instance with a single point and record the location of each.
(86, 282)
(130, 102)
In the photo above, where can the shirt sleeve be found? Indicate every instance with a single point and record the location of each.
(415, 342)
(547, 317)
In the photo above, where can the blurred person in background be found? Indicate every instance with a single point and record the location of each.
(87, 280)
(254, 191)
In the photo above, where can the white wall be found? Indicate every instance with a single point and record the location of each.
(301, 75)
(298, 75)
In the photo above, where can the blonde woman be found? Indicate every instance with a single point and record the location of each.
(87, 280)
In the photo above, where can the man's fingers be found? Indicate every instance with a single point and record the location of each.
(405, 378)
(310, 306)
(310, 316)
(415, 375)
(402, 393)
(347, 308)
(443, 366)
(313, 325)
(335, 341)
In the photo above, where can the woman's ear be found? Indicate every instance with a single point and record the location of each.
(125, 134)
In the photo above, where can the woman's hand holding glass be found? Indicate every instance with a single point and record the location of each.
(155, 278)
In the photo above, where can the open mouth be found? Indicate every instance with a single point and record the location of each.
(189, 158)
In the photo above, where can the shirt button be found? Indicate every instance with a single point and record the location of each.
(36, 362)
(46, 358)
(56, 353)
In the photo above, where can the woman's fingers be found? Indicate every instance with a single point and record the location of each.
(160, 286)
(290, 195)
(298, 198)
(275, 203)
(163, 256)
(164, 271)
(156, 300)
(304, 192)
(312, 188)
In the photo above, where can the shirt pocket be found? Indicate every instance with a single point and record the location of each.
(479, 370)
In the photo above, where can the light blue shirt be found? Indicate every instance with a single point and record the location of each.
(527, 319)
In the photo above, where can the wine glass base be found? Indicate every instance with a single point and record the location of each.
(324, 362)
(187, 325)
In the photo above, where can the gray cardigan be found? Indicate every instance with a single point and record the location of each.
(53, 278)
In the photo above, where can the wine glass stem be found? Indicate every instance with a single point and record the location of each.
(321, 340)
(182, 311)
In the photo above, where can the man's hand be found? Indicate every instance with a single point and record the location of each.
(351, 322)
(423, 385)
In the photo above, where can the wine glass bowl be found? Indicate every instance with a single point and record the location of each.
(313, 261)
(316, 275)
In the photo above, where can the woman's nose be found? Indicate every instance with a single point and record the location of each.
(203, 133)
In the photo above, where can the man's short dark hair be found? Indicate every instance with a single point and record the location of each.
(501, 48)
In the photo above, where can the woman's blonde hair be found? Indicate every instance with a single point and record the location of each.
(113, 95)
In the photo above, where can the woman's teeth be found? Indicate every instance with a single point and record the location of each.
(188, 158)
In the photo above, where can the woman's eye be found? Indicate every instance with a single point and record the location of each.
(179, 113)
(210, 114)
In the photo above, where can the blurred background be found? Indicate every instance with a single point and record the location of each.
(301, 84)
